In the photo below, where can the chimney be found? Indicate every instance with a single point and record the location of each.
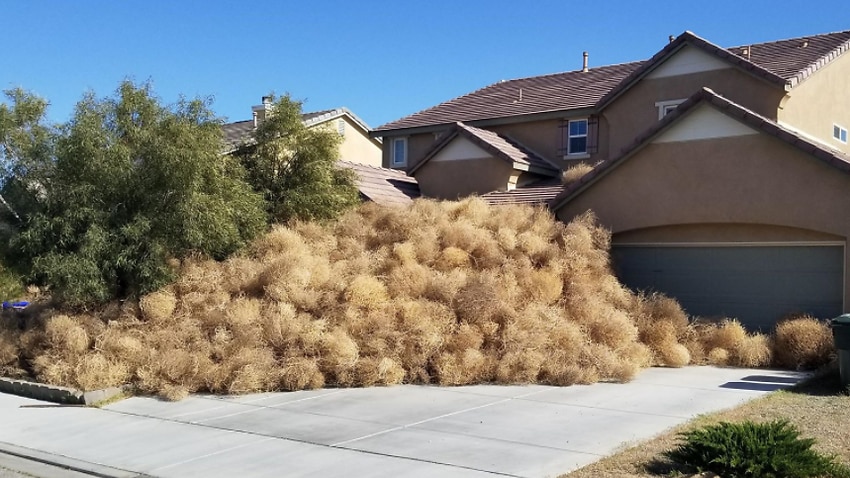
(263, 110)
(584, 62)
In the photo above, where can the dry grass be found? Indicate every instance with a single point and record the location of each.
(803, 342)
(441, 292)
(818, 409)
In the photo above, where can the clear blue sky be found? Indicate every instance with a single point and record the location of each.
(382, 59)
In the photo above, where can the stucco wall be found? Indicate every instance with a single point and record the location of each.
(635, 112)
(357, 146)
(418, 145)
(820, 101)
(753, 180)
(458, 178)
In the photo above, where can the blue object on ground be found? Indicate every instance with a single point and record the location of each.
(15, 305)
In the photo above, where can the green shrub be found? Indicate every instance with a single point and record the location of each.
(747, 449)
(98, 205)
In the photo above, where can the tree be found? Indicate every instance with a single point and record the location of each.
(295, 167)
(107, 198)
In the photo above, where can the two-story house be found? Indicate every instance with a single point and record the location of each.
(723, 173)
(358, 151)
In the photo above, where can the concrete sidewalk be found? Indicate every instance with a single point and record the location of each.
(485, 430)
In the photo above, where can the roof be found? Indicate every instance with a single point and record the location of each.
(540, 192)
(536, 94)
(784, 63)
(241, 132)
(500, 146)
(387, 187)
(746, 116)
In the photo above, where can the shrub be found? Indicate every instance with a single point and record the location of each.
(803, 343)
(103, 202)
(765, 450)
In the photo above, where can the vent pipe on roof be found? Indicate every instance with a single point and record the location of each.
(584, 61)
(671, 38)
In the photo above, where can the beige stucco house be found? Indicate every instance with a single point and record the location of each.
(359, 151)
(723, 173)
(357, 145)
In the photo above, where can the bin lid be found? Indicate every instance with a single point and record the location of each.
(842, 320)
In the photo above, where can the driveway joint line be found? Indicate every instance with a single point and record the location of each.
(445, 415)
(218, 452)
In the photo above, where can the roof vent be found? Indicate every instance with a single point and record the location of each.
(805, 44)
(671, 38)
(745, 52)
(584, 62)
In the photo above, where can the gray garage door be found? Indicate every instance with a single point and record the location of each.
(756, 284)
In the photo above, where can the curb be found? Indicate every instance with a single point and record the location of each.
(48, 464)
(57, 394)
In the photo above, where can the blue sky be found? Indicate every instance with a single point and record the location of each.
(382, 59)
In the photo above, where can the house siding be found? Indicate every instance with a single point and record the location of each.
(723, 188)
(357, 146)
(635, 111)
(453, 179)
(821, 101)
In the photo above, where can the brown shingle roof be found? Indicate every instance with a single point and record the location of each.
(536, 94)
(500, 146)
(750, 118)
(387, 187)
(540, 192)
(796, 59)
(784, 63)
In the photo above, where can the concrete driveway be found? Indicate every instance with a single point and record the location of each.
(485, 430)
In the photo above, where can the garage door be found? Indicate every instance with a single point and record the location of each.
(757, 284)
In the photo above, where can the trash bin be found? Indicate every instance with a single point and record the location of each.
(841, 334)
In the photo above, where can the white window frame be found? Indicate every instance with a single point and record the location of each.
(842, 133)
(586, 136)
(393, 161)
(665, 107)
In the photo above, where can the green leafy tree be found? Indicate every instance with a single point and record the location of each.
(295, 167)
(104, 201)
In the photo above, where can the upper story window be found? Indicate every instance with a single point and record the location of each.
(577, 137)
(839, 133)
(399, 152)
(666, 107)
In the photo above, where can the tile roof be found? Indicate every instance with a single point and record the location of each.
(537, 94)
(784, 63)
(241, 132)
(750, 118)
(236, 134)
(387, 187)
(540, 192)
(500, 146)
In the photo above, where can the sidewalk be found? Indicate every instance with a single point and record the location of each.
(474, 431)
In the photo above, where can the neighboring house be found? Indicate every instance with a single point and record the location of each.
(724, 173)
(357, 145)
(358, 151)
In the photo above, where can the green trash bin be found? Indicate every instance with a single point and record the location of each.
(841, 334)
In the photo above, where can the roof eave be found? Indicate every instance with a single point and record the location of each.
(497, 121)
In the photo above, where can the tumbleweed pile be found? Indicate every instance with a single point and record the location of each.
(441, 292)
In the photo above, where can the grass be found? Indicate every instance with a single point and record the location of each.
(818, 408)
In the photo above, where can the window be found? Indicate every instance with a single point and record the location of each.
(399, 152)
(839, 133)
(577, 137)
(666, 107)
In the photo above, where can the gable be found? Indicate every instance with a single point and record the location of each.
(704, 122)
(459, 149)
(686, 61)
